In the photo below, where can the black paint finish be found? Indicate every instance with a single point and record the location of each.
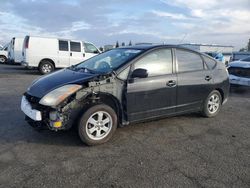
(57, 79)
(150, 97)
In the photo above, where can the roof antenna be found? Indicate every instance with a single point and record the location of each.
(183, 38)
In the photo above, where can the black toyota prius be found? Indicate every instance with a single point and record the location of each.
(126, 85)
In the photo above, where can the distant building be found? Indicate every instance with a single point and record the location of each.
(210, 47)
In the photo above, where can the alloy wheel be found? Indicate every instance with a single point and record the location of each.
(213, 103)
(99, 125)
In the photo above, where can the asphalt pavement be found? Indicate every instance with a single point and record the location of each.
(183, 151)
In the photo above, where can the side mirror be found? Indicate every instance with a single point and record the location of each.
(139, 73)
(96, 52)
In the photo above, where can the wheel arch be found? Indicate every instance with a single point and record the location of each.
(108, 99)
(47, 59)
(221, 93)
(2, 55)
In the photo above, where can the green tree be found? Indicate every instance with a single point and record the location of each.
(117, 44)
(101, 49)
(123, 43)
(242, 50)
(130, 43)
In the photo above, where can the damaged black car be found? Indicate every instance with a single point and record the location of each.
(126, 85)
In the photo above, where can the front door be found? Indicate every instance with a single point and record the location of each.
(154, 95)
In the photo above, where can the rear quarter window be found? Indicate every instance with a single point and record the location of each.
(211, 63)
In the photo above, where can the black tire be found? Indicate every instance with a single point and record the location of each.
(3, 59)
(46, 67)
(84, 126)
(211, 110)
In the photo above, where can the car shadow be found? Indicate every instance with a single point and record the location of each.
(240, 91)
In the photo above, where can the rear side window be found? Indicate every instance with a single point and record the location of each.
(75, 46)
(209, 62)
(90, 48)
(63, 45)
(158, 62)
(188, 61)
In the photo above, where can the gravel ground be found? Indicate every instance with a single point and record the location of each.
(183, 151)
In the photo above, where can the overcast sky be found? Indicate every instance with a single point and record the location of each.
(225, 22)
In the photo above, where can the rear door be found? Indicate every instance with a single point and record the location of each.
(76, 54)
(90, 50)
(194, 80)
(154, 95)
(63, 54)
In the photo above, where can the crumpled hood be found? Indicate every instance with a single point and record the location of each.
(47, 83)
(243, 64)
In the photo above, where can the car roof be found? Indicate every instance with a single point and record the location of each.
(148, 47)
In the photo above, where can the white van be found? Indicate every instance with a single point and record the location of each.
(15, 50)
(46, 54)
(4, 53)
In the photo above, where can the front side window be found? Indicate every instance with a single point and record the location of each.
(158, 62)
(90, 48)
(75, 46)
(63, 45)
(188, 61)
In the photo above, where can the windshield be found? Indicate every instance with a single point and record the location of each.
(108, 61)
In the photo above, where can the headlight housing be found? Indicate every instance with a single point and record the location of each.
(58, 95)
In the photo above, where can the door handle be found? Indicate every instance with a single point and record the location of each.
(70, 54)
(207, 78)
(171, 83)
(83, 54)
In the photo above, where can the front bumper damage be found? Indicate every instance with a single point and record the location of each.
(66, 114)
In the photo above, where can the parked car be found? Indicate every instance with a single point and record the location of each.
(46, 54)
(218, 57)
(126, 85)
(4, 54)
(239, 55)
(15, 50)
(239, 72)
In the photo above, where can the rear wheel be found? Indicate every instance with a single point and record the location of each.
(212, 104)
(97, 125)
(46, 67)
(3, 59)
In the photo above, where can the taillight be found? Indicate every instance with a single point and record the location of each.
(27, 42)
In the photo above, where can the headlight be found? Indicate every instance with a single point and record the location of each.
(56, 96)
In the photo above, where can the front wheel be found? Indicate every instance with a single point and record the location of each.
(97, 125)
(212, 105)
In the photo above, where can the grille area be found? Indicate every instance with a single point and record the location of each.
(240, 72)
